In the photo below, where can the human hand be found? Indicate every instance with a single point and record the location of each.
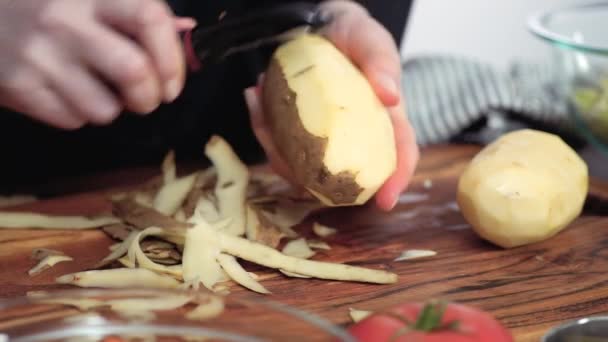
(371, 47)
(72, 62)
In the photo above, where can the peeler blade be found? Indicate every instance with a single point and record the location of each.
(207, 44)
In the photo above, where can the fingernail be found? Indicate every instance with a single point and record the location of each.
(395, 197)
(172, 90)
(388, 83)
(106, 110)
(146, 97)
(395, 201)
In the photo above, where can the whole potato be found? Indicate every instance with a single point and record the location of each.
(329, 125)
(523, 188)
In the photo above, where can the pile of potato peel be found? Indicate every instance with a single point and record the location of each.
(193, 231)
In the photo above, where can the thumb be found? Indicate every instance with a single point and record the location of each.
(262, 133)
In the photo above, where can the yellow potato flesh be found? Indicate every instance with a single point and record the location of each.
(523, 188)
(336, 101)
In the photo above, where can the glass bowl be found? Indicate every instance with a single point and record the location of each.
(577, 36)
(77, 315)
(591, 329)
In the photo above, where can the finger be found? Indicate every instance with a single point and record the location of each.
(184, 24)
(407, 159)
(262, 133)
(43, 105)
(371, 47)
(123, 64)
(87, 96)
(151, 23)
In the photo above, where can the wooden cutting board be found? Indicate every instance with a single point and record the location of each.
(529, 289)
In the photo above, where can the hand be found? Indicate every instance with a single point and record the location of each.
(72, 62)
(371, 47)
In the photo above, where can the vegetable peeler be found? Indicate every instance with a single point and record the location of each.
(206, 44)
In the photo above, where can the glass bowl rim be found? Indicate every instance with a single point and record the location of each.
(555, 331)
(536, 25)
(294, 313)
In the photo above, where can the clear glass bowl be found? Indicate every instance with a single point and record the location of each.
(47, 317)
(578, 38)
(591, 329)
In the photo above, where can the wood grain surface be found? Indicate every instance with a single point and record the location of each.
(529, 289)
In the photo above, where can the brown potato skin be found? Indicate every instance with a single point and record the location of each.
(303, 152)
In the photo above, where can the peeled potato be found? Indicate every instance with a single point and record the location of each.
(523, 188)
(327, 122)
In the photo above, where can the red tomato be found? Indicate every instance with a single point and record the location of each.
(419, 322)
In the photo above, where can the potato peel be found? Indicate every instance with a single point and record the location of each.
(118, 252)
(118, 231)
(151, 304)
(322, 230)
(265, 179)
(199, 259)
(182, 232)
(171, 196)
(180, 215)
(156, 245)
(298, 248)
(22, 220)
(290, 213)
(238, 273)
(144, 199)
(261, 229)
(252, 225)
(9, 201)
(415, 254)
(204, 183)
(221, 289)
(119, 278)
(81, 304)
(126, 262)
(263, 200)
(293, 275)
(135, 253)
(205, 311)
(135, 315)
(269, 257)
(284, 224)
(41, 253)
(318, 244)
(137, 308)
(48, 262)
(160, 251)
(165, 256)
(142, 217)
(168, 167)
(205, 209)
(231, 185)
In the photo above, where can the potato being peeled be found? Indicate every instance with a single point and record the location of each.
(523, 188)
(327, 122)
